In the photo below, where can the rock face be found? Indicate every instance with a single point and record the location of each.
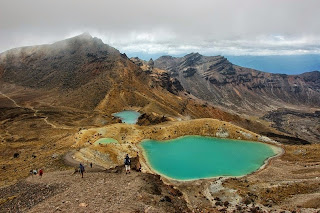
(241, 89)
(160, 77)
(298, 123)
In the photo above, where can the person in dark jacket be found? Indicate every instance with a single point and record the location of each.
(81, 169)
(127, 163)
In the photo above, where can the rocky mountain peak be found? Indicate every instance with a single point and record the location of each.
(83, 36)
(193, 55)
(82, 40)
(151, 63)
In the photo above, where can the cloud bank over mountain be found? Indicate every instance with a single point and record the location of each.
(249, 27)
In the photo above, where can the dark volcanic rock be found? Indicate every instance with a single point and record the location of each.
(151, 119)
(189, 72)
(303, 126)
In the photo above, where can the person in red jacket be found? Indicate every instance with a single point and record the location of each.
(40, 172)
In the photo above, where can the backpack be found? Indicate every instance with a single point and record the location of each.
(127, 161)
(81, 168)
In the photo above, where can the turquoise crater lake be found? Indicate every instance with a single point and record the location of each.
(128, 116)
(197, 157)
(104, 141)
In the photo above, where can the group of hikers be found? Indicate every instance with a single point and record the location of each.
(35, 172)
(127, 164)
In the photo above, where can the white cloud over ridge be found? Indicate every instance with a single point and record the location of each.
(173, 45)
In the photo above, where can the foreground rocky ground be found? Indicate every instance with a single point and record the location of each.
(104, 191)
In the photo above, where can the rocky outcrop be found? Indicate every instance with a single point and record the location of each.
(160, 77)
(151, 119)
(189, 72)
(151, 63)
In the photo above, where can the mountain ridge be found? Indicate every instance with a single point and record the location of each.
(214, 78)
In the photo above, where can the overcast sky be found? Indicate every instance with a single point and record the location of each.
(211, 27)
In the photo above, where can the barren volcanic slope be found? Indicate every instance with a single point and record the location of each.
(80, 71)
(244, 90)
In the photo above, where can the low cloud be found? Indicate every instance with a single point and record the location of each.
(175, 45)
(228, 27)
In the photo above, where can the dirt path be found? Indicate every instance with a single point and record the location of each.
(14, 102)
(35, 114)
(70, 161)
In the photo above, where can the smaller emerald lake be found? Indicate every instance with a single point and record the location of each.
(197, 157)
(128, 116)
(103, 141)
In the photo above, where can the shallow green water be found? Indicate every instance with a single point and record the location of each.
(195, 157)
(128, 116)
(105, 141)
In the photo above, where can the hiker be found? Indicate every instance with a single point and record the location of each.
(31, 173)
(35, 171)
(81, 167)
(90, 164)
(40, 172)
(138, 166)
(127, 163)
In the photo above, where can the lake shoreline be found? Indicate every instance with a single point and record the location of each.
(278, 151)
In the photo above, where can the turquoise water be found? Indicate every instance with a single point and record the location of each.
(128, 116)
(105, 141)
(196, 157)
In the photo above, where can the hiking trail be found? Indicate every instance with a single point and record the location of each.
(35, 114)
